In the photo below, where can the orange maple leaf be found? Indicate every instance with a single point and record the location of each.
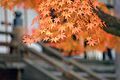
(70, 25)
(48, 33)
(90, 26)
(71, 10)
(69, 1)
(66, 15)
(57, 20)
(61, 3)
(46, 39)
(91, 42)
(45, 13)
(55, 39)
(76, 30)
(62, 29)
(28, 39)
(62, 36)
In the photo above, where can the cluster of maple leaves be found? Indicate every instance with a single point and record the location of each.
(66, 24)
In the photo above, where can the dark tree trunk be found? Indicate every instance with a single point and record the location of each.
(113, 24)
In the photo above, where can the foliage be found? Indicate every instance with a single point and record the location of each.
(67, 24)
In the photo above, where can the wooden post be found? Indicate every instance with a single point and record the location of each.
(117, 8)
(19, 74)
(6, 26)
(25, 19)
(6, 23)
(117, 64)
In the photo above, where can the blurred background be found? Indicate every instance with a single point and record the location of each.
(39, 62)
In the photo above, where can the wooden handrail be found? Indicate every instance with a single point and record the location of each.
(51, 51)
(8, 44)
(73, 62)
(5, 44)
(6, 33)
(55, 63)
(28, 62)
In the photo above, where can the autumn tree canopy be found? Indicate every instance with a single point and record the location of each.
(67, 24)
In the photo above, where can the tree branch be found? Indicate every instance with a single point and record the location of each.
(113, 24)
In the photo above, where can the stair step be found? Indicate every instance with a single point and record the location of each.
(39, 71)
(106, 75)
(95, 62)
(102, 68)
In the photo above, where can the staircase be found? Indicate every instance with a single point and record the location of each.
(50, 65)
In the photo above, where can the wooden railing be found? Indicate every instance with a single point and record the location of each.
(58, 61)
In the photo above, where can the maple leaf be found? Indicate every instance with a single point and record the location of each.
(76, 30)
(42, 31)
(54, 2)
(95, 4)
(49, 20)
(57, 20)
(88, 38)
(55, 39)
(91, 42)
(62, 29)
(66, 15)
(70, 25)
(45, 13)
(48, 33)
(77, 1)
(28, 39)
(71, 10)
(61, 3)
(69, 1)
(46, 39)
(40, 7)
(90, 26)
(52, 25)
(62, 36)
(80, 12)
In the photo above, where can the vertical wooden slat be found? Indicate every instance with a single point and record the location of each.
(25, 19)
(117, 63)
(6, 21)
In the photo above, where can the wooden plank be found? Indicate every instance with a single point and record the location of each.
(117, 66)
(5, 44)
(87, 70)
(8, 44)
(50, 51)
(95, 62)
(15, 65)
(6, 33)
(30, 63)
(74, 63)
(55, 63)
(10, 57)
